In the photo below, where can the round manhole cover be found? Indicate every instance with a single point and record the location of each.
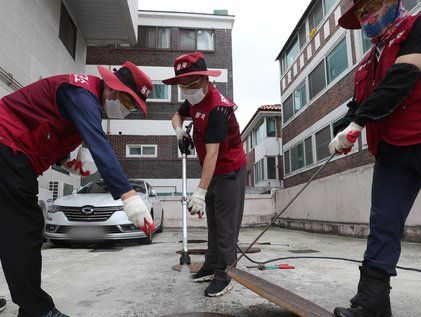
(198, 315)
(203, 251)
(194, 241)
(194, 267)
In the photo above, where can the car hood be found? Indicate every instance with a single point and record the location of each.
(97, 200)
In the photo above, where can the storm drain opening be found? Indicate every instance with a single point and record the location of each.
(303, 251)
(194, 241)
(198, 315)
(194, 267)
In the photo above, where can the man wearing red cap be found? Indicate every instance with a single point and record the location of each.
(40, 125)
(387, 101)
(218, 144)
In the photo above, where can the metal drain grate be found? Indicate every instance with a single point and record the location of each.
(303, 251)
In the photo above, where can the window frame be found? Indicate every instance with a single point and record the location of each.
(195, 39)
(168, 87)
(155, 47)
(64, 30)
(128, 155)
(292, 96)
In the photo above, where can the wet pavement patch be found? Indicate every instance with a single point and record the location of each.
(198, 315)
(303, 251)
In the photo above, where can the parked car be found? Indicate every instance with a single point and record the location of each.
(91, 214)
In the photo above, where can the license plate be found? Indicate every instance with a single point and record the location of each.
(86, 232)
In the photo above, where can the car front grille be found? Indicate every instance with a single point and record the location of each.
(97, 214)
(106, 229)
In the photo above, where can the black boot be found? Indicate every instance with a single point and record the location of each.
(372, 299)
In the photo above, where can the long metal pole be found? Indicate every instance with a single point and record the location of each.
(282, 211)
(184, 203)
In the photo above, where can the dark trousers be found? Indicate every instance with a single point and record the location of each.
(21, 226)
(396, 183)
(224, 212)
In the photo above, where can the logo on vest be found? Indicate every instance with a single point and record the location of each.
(81, 78)
(396, 38)
(200, 115)
(145, 91)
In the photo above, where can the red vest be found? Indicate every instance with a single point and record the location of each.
(403, 126)
(30, 121)
(231, 155)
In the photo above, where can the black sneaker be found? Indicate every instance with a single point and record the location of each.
(54, 313)
(2, 304)
(204, 275)
(218, 288)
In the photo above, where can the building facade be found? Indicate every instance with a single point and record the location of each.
(45, 38)
(262, 142)
(317, 66)
(147, 146)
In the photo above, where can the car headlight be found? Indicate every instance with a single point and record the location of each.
(53, 209)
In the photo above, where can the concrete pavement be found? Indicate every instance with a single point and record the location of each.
(137, 280)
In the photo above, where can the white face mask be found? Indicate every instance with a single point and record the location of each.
(194, 96)
(115, 109)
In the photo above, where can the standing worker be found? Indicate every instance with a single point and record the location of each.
(387, 101)
(216, 136)
(40, 125)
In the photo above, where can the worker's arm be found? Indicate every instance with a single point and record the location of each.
(178, 119)
(82, 108)
(209, 163)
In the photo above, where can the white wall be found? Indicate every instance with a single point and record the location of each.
(267, 147)
(258, 210)
(171, 185)
(30, 48)
(340, 198)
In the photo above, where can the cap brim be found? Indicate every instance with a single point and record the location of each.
(349, 20)
(114, 83)
(174, 80)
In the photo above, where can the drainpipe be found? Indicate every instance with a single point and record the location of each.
(9, 79)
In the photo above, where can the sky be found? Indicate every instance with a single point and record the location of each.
(261, 28)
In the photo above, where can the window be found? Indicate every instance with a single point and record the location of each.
(295, 102)
(300, 97)
(316, 15)
(160, 92)
(205, 40)
(191, 40)
(67, 32)
(308, 149)
(270, 127)
(302, 35)
(140, 150)
(154, 37)
(317, 79)
(288, 108)
(366, 42)
(322, 143)
(410, 4)
(271, 162)
(292, 53)
(258, 171)
(337, 61)
(259, 132)
(329, 4)
(287, 163)
(297, 157)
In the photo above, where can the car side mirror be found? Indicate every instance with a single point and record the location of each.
(152, 193)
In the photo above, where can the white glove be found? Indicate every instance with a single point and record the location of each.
(196, 203)
(136, 211)
(83, 165)
(180, 133)
(344, 140)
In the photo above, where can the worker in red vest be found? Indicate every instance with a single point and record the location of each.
(216, 136)
(40, 125)
(387, 102)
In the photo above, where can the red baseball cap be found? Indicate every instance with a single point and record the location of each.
(349, 19)
(190, 65)
(130, 79)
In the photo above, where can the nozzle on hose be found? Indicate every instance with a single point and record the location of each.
(185, 258)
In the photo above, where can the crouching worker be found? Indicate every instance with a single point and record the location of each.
(218, 144)
(39, 125)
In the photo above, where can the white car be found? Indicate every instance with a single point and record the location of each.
(91, 214)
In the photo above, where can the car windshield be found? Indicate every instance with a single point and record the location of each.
(101, 188)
